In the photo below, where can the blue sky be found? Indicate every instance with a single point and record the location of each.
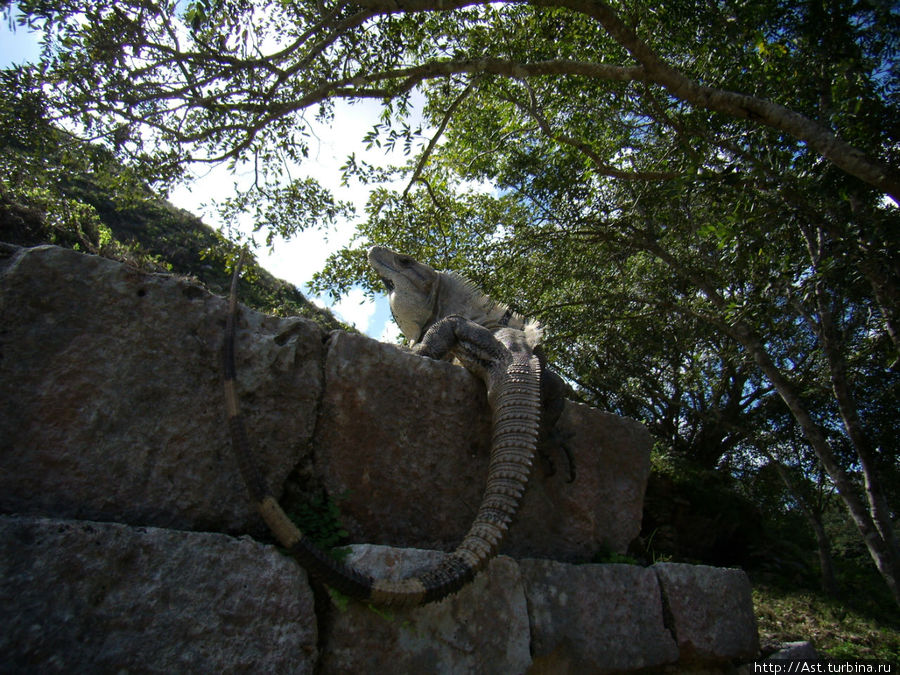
(294, 261)
(17, 46)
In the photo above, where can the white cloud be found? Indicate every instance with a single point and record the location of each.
(355, 309)
(390, 332)
(296, 260)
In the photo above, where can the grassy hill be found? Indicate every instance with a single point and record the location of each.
(54, 190)
(156, 236)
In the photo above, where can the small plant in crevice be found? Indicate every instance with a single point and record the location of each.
(654, 556)
(341, 601)
(607, 556)
(320, 519)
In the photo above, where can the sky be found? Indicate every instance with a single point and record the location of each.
(296, 260)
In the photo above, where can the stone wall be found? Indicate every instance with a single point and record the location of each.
(127, 519)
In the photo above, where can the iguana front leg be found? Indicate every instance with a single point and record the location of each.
(474, 345)
(481, 352)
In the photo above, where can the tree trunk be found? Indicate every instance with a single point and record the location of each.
(823, 543)
(882, 546)
(829, 337)
(814, 517)
(881, 549)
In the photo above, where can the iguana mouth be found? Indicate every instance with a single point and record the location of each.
(381, 265)
(381, 258)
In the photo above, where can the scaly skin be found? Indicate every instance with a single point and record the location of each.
(504, 359)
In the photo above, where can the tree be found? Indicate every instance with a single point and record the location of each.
(724, 166)
(800, 483)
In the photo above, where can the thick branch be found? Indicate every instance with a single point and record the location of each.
(817, 136)
(513, 69)
(357, 86)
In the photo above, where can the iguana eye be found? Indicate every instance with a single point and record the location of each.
(405, 260)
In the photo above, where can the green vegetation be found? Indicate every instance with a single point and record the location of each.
(698, 200)
(319, 518)
(606, 557)
(839, 629)
(55, 189)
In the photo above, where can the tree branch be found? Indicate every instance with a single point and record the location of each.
(440, 130)
(585, 148)
(817, 136)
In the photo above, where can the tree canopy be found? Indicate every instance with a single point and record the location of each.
(697, 199)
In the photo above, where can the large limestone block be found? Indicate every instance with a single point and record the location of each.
(401, 436)
(481, 629)
(595, 618)
(711, 611)
(601, 509)
(79, 597)
(407, 440)
(112, 405)
(114, 411)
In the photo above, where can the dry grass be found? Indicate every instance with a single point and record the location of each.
(835, 629)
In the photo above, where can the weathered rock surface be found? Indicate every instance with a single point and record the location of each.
(112, 404)
(117, 413)
(406, 450)
(112, 410)
(79, 596)
(601, 509)
(408, 441)
(711, 611)
(482, 629)
(595, 618)
(795, 651)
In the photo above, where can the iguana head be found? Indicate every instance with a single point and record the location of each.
(412, 290)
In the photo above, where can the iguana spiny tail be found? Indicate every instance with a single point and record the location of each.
(512, 373)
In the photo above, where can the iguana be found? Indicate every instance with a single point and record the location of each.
(441, 315)
(420, 297)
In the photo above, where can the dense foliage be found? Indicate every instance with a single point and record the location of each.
(695, 198)
(56, 189)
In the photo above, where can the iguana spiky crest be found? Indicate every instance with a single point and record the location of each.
(420, 295)
(500, 351)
